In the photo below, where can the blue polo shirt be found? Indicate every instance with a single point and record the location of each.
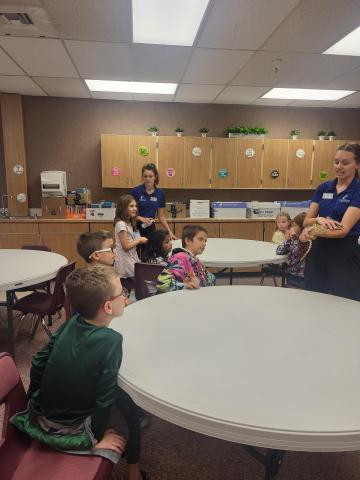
(334, 205)
(148, 204)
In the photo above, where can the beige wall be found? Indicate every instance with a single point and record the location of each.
(64, 134)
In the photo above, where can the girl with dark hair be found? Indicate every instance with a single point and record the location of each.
(333, 264)
(158, 248)
(151, 202)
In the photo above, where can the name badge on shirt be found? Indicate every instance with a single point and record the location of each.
(328, 196)
(153, 199)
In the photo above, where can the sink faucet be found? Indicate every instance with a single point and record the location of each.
(4, 211)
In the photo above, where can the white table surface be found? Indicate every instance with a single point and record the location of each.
(233, 252)
(22, 268)
(263, 366)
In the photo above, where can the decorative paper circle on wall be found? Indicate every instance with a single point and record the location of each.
(18, 169)
(223, 173)
(115, 172)
(196, 151)
(274, 173)
(323, 174)
(170, 172)
(250, 152)
(300, 153)
(143, 151)
(21, 197)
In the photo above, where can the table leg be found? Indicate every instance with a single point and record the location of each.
(283, 275)
(231, 276)
(11, 338)
(272, 460)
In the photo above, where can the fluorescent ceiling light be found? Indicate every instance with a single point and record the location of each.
(349, 45)
(167, 22)
(307, 94)
(131, 87)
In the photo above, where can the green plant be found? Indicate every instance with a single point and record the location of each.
(179, 130)
(203, 130)
(295, 132)
(262, 130)
(153, 129)
(321, 133)
(331, 134)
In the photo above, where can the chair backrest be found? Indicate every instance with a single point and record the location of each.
(58, 298)
(145, 272)
(13, 443)
(44, 248)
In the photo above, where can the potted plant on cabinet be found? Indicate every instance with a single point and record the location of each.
(179, 131)
(331, 135)
(295, 134)
(321, 135)
(153, 131)
(203, 131)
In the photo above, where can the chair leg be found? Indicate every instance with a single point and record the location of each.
(49, 320)
(262, 279)
(35, 324)
(274, 280)
(46, 328)
(19, 324)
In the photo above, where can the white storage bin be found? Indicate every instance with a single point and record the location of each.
(262, 209)
(100, 213)
(294, 208)
(199, 208)
(229, 209)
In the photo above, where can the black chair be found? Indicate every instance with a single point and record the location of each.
(40, 304)
(146, 278)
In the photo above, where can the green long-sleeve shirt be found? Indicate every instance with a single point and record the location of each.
(75, 375)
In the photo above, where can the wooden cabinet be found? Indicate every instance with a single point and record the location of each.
(197, 162)
(212, 228)
(299, 163)
(16, 234)
(95, 226)
(142, 150)
(269, 229)
(245, 230)
(62, 238)
(115, 162)
(171, 162)
(249, 162)
(275, 163)
(323, 165)
(223, 169)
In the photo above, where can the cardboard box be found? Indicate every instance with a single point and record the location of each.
(100, 213)
(178, 209)
(262, 209)
(53, 207)
(79, 196)
(228, 209)
(294, 208)
(199, 208)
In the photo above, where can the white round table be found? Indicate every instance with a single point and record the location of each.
(262, 366)
(24, 268)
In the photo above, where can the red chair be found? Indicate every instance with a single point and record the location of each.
(22, 458)
(145, 277)
(40, 304)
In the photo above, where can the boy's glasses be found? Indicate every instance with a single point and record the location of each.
(109, 249)
(122, 294)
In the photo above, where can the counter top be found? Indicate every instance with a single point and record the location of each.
(172, 220)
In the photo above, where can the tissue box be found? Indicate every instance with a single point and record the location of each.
(100, 213)
(229, 209)
(178, 208)
(294, 208)
(262, 209)
(199, 208)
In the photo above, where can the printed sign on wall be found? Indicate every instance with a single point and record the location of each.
(21, 197)
(223, 173)
(300, 153)
(170, 172)
(250, 152)
(143, 151)
(196, 151)
(18, 169)
(115, 172)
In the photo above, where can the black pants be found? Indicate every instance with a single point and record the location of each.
(130, 412)
(333, 266)
(144, 232)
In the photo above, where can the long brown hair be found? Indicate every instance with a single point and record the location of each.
(299, 221)
(121, 212)
(354, 148)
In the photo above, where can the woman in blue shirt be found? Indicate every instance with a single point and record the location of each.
(333, 264)
(150, 201)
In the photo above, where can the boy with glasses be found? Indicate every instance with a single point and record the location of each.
(97, 247)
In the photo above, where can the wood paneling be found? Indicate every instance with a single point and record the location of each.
(275, 158)
(299, 169)
(324, 152)
(136, 159)
(171, 162)
(247, 231)
(269, 229)
(223, 159)
(14, 153)
(211, 228)
(95, 226)
(249, 168)
(115, 159)
(197, 167)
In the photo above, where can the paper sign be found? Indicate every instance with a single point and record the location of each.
(250, 152)
(21, 197)
(170, 172)
(223, 173)
(274, 173)
(18, 169)
(143, 151)
(115, 172)
(300, 153)
(196, 151)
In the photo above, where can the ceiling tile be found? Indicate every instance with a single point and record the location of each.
(63, 87)
(101, 60)
(352, 101)
(92, 20)
(42, 57)
(21, 85)
(294, 70)
(197, 93)
(314, 26)
(216, 67)
(244, 24)
(8, 66)
(241, 95)
(347, 81)
(159, 63)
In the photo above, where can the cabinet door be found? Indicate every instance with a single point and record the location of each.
(249, 162)
(115, 163)
(95, 226)
(16, 234)
(275, 163)
(299, 163)
(269, 229)
(197, 162)
(323, 164)
(223, 170)
(171, 162)
(212, 228)
(142, 150)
